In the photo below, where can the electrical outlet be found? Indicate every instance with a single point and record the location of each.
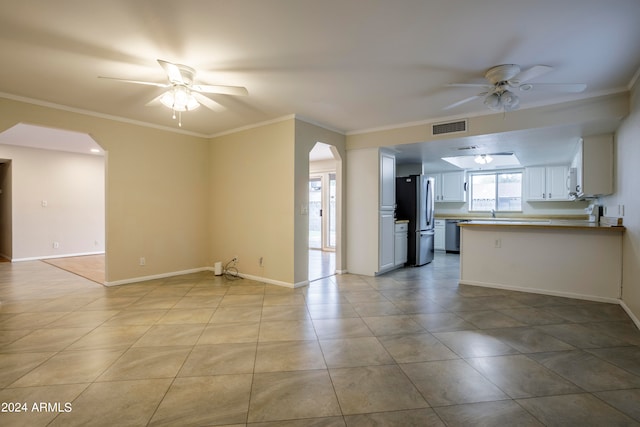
(498, 243)
(56, 245)
(143, 261)
(261, 262)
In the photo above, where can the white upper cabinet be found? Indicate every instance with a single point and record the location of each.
(593, 164)
(387, 181)
(548, 183)
(450, 186)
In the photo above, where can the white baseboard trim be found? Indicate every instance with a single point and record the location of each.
(211, 269)
(541, 291)
(633, 317)
(40, 258)
(274, 282)
(156, 276)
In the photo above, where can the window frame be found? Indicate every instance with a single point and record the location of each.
(496, 172)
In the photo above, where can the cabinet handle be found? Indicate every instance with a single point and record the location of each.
(465, 186)
(549, 195)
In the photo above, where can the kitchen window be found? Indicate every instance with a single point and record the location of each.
(499, 191)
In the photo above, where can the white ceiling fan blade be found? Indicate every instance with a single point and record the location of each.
(173, 72)
(138, 82)
(532, 73)
(224, 90)
(558, 87)
(464, 101)
(482, 85)
(155, 101)
(208, 102)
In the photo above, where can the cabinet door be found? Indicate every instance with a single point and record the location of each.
(556, 183)
(439, 237)
(597, 165)
(387, 241)
(387, 181)
(577, 163)
(536, 177)
(401, 248)
(453, 187)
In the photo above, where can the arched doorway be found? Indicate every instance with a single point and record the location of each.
(324, 210)
(65, 173)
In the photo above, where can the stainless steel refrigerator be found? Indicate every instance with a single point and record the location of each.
(415, 202)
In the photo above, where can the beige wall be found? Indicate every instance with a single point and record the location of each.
(184, 202)
(259, 180)
(252, 204)
(72, 185)
(157, 190)
(626, 193)
(559, 261)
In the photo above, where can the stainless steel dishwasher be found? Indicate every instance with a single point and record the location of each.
(452, 236)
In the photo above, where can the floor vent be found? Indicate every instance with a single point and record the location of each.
(459, 126)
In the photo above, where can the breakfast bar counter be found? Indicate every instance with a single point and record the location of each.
(576, 259)
(535, 223)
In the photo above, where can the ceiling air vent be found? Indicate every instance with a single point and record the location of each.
(459, 126)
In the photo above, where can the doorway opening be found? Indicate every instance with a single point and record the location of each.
(323, 211)
(65, 172)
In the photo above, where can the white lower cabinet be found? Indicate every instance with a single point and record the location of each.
(387, 241)
(402, 240)
(440, 233)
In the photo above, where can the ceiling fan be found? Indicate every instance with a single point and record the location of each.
(183, 94)
(503, 80)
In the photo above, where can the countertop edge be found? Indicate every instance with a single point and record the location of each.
(550, 225)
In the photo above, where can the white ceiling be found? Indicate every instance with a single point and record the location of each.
(45, 138)
(350, 65)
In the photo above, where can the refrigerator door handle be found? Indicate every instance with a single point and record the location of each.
(429, 203)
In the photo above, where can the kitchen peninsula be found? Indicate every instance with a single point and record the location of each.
(574, 259)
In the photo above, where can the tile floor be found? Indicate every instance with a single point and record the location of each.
(410, 348)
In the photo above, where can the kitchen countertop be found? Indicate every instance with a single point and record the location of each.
(536, 223)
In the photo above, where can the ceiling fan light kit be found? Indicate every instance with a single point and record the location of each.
(483, 159)
(183, 95)
(502, 80)
(179, 98)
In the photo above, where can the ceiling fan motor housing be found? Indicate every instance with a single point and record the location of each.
(502, 73)
(187, 74)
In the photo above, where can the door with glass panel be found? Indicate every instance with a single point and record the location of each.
(322, 212)
(315, 212)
